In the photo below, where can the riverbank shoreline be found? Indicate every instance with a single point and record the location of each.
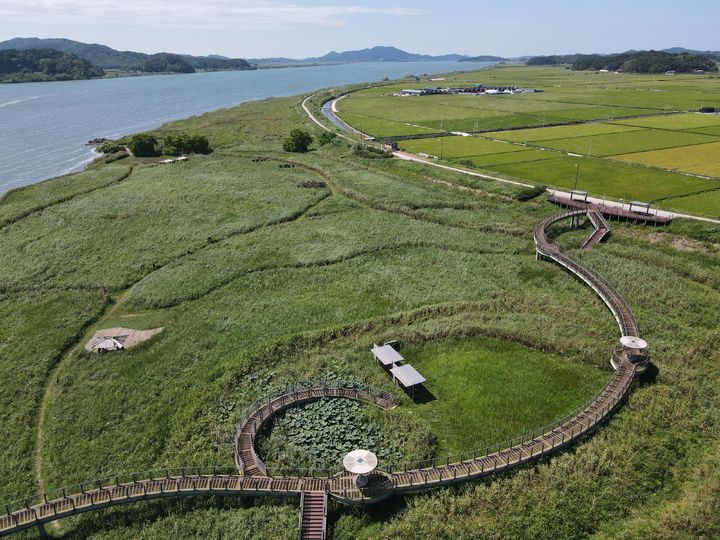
(52, 125)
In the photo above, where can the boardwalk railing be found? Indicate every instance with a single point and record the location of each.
(261, 410)
(612, 299)
(33, 511)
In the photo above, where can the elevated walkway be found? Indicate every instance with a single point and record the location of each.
(612, 212)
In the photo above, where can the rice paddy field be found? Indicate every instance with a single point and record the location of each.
(260, 281)
(600, 122)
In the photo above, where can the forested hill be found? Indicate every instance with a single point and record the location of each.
(165, 63)
(632, 62)
(108, 58)
(44, 65)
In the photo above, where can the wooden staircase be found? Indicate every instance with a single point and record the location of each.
(601, 228)
(313, 515)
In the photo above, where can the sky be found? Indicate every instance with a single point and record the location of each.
(303, 28)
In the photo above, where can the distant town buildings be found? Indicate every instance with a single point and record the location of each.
(475, 90)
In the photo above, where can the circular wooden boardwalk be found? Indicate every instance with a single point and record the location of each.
(252, 478)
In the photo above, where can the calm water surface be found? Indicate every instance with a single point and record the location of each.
(44, 126)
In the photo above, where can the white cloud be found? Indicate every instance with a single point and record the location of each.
(188, 13)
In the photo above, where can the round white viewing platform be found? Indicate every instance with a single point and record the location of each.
(633, 342)
(360, 462)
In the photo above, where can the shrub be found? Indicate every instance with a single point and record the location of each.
(110, 147)
(143, 145)
(298, 141)
(528, 194)
(183, 143)
(326, 137)
(467, 163)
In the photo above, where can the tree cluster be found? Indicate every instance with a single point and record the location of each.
(298, 141)
(44, 65)
(184, 143)
(652, 62)
(147, 145)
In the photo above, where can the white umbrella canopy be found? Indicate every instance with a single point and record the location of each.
(633, 342)
(360, 461)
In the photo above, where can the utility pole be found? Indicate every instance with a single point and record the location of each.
(577, 175)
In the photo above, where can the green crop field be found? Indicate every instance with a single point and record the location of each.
(267, 272)
(559, 132)
(602, 177)
(609, 178)
(664, 145)
(674, 122)
(458, 147)
(567, 97)
(699, 159)
(626, 142)
(704, 204)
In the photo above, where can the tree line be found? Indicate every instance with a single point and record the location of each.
(652, 62)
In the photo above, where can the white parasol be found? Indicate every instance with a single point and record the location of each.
(633, 342)
(360, 461)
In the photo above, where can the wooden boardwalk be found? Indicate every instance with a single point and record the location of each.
(601, 228)
(246, 458)
(252, 478)
(621, 214)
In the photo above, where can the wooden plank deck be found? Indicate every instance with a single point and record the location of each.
(610, 211)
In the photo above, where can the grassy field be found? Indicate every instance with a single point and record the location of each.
(260, 282)
(483, 391)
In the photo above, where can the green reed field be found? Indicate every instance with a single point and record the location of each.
(259, 282)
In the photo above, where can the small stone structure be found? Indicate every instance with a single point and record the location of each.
(114, 339)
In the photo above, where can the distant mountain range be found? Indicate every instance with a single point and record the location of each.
(374, 54)
(105, 57)
(108, 58)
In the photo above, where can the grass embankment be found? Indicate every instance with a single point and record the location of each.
(261, 282)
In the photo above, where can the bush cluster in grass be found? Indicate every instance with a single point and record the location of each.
(172, 144)
(298, 141)
(185, 143)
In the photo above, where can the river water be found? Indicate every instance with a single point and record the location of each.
(44, 126)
